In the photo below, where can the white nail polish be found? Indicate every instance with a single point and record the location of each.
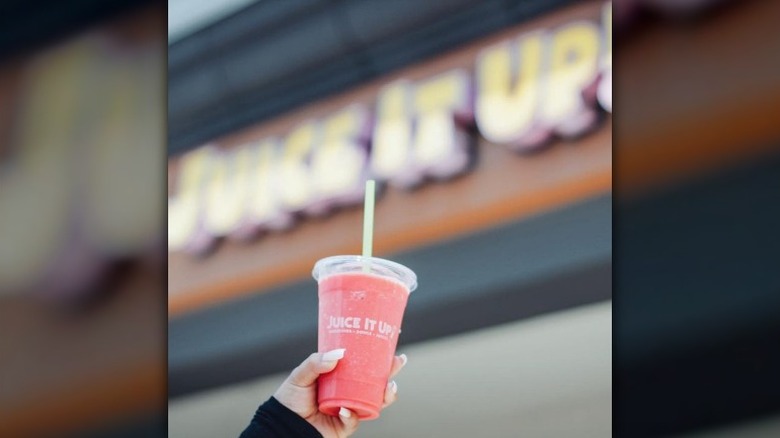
(344, 413)
(333, 355)
(394, 387)
(404, 359)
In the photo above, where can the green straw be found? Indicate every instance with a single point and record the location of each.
(368, 222)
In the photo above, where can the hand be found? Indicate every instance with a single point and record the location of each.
(299, 394)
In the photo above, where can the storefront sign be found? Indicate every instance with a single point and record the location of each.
(524, 92)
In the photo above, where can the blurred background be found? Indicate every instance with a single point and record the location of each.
(696, 211)
(82, 314)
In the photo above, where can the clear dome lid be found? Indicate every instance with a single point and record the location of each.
(358, 264)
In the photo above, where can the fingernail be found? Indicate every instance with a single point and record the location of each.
(343, 412)
(404, 359)
(333, 355)
(393, 386)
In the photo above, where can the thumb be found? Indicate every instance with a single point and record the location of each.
(307, 372)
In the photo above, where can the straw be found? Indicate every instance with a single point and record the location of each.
(368, 222)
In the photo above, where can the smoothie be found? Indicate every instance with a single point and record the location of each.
(362, 312)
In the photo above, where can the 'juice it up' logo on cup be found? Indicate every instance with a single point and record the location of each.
(361, 326)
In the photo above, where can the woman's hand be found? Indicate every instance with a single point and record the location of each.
(299, 394)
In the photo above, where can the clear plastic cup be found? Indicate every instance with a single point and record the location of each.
(361, 306)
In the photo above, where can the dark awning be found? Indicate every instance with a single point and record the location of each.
(274, 56)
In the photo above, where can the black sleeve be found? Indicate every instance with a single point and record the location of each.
(274, 420)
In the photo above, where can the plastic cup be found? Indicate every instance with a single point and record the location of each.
(361, 305)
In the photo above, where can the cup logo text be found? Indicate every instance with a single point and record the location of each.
(361, 326)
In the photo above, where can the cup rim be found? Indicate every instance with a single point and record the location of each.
(396, 270)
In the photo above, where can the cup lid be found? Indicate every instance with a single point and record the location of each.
(359, 264)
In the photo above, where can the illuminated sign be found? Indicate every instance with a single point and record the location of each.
(523, 93)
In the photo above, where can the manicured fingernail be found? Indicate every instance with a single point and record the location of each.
(343, 412)
(393, 386)
(404, 359)
(332, 355)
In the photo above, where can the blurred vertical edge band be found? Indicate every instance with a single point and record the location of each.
(82, 302)
(697, 193)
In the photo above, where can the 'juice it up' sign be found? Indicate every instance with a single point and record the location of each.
(523, 92)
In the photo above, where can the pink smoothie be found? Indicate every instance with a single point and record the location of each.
(362, 313)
